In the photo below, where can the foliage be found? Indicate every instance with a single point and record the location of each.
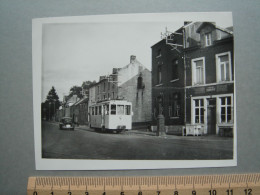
(75, 90)
(51, 104)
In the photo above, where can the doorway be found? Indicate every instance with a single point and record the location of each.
(211, 116)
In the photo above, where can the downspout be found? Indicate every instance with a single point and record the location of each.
(184, 64)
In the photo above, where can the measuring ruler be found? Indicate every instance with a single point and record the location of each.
(234, 184)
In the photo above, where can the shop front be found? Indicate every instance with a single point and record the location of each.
(211, 109)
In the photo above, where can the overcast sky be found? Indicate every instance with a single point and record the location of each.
(77, 52)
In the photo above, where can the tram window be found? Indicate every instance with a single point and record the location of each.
(113, 109)
(128, 109)
(93, 110)
(99, 110)
(107, 109)
(96, 110)
(120, 109)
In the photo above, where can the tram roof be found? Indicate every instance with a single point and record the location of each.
(113, 101)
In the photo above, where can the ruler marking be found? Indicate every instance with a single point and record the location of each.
(51, 186)
(35, 183)
(157, 184)
(193, 183)
(256, 179)
(85, 180)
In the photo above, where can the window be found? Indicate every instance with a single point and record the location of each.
(225, 109)
(140, 82)
(208, 40)
(198, 71)
(128, 109)
(104, 87)
(159, 74)
(199, 111)
(223, 67)
(107, 109)
(113, 109)
(159, 53)
(120, 109)
(174, 108)
(93, 110)
(175, 70)
(96, 110)
(98, 90)
(99, 110)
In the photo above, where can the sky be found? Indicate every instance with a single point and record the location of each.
(74, 52)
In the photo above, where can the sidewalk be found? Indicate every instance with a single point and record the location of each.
(166, 136)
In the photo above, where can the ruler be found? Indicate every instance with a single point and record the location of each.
(231, 184)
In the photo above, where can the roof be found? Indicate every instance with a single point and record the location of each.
(227, 30)
(205, 24)
(81, 101)
(112, 101)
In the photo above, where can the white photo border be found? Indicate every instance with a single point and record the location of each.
(64, 164)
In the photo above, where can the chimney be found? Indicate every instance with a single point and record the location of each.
(102, 78)
(115, 70)
(132, 59)
(187, 22)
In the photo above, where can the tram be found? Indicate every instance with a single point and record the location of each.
(111, 115)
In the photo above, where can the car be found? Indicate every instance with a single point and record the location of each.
(66, 123)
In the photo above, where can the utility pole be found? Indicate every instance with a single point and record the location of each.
(49, 110)
(54, 110)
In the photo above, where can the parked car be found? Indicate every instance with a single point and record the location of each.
(66, 123)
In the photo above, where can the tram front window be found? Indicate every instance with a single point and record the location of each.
(113, 109)
(120, 109)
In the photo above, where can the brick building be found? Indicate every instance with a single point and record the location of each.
(132, 83)
(193, 79)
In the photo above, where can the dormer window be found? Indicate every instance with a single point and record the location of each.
(208, 39)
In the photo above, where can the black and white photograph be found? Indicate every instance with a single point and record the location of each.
(134, 91)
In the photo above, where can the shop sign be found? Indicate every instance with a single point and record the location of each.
(199, 90)
(211, 89)
(222, 88)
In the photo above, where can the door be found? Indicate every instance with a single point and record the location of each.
(103, 115)
(211, 116)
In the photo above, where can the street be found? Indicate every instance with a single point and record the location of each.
(89, 144)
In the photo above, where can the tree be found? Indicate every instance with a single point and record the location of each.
(76, 90)
(50, 105)
(86, 85)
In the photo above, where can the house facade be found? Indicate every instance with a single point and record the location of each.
(193, 83)
(132, 83)
(79, 112)
(210, 80)
(168, 84)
